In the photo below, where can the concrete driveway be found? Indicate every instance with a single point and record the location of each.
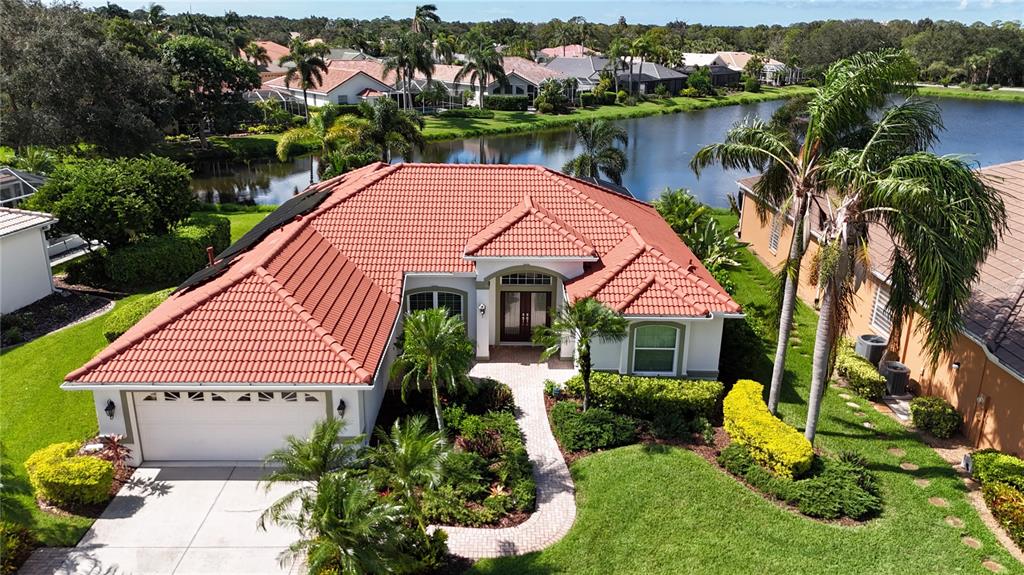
(179, 520)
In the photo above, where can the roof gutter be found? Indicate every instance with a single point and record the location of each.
(72, 386)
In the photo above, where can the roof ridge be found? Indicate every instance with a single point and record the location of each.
(318, 329)
(688, 273)
(563, 228)
(498, 226)
(609, 273)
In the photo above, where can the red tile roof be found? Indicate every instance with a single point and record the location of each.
(317, 299)
(568, 51)
(338, 72)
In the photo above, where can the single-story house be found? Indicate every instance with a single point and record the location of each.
(16, 185)
(702, 59)
(298, 320)
(720, 75)
(343, 83)
(647, 76)
(774, 72)
(983, 374)
(524, 79)
(349, 54)
(568, 51)
(586, 69)
(275, 52)
(24, 261)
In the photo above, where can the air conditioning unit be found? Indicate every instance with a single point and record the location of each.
(871, 347)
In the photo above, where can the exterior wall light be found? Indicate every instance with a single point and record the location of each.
(341, 408)
(483, 308)
(109, 408)
(956, 365)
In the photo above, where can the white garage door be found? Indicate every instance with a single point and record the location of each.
(222, 425)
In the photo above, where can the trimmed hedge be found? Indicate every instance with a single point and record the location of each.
(170, 258)
(992, 466)
(125, 316)
(590, 430)
(466, 113)
(1007, 505)
(777, 446)
(651, 398)
(934, 415)
(62, 477)
(862, 377)
(16, 544)
(507, 103)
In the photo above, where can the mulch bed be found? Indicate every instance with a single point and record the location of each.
(51, 313)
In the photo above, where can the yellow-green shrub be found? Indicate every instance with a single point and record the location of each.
(61, 477)
(775, 445)
(862, 377)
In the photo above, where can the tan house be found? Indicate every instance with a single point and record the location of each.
(983, 375)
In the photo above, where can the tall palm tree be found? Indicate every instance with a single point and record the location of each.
(309, 67)
(389, 129)
(599, 151)
(407, 54)
(436, 352)
(583, 322)
(943, 220)
(305, 461)
(640, 47)
(411, 457)
(330, 130)
(617, 50)
(424, 19)
(564, 35)
(256, 54)
(791, 165)
(156, 17)
(483, 64)
(445, 46)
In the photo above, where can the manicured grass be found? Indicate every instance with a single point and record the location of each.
(955, 92)
(35, 413)
(243, 222)
(512, 122)
(646, 510)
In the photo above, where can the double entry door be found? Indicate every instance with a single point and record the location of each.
(521, 311)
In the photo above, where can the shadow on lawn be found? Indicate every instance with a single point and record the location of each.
(528, 563)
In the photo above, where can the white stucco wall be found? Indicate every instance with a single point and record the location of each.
(705, 343)
(24, 269)
(348, 93)
(698, 350)
(466, 284)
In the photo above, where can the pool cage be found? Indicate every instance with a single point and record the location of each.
(288, 101)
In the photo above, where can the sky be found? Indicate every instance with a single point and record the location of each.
(716, 12)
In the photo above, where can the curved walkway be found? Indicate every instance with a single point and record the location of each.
(556, 503)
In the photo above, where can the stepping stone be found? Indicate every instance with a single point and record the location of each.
(897, 451)
(955, 522)
(861, 414)
(938, 502)
(853, 405)
(868, 425)
(922, 483)
(845, 396)
(993, 566)
(907, 466)
(971, 542)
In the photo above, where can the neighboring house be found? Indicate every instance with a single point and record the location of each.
(774, 72)
(299, 321)
(568, 51)
(349, 54)
(647, 76)
(983, 375)
(24, 264)
(343, 83)
(16, 185)
(695, 59)
(524, 79)
(720, 75)
(587, 69)
(275, 52)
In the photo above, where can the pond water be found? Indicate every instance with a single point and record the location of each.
(659, 152)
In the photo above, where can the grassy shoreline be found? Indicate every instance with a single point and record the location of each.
(1012, 96)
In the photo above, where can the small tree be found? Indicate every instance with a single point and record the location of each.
(700, 80)
(584, 321)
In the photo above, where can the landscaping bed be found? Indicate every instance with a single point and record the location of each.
(49, 314)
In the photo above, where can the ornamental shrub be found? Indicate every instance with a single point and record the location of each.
(125, 316)
(751, 85)
(588, 99)
(991, 466)
(593, 429)
(620, 97)
(170, 258)
(934, 415)
(466, 113)
(1007, 505)
(863, 377)
(58, 475)
(777, 446)
(649, 398)
(16, 544)
(507, 103)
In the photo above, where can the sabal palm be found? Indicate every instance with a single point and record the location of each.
(943, 220)
(411, 458)
(407, 54)
(791, 166)
(308, 67)
(600, 155)
(389, 129)
(330, 130)
(483, 65)
(305, 461)
(435, 353)
(583, 322)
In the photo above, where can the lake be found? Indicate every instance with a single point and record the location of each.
(659, 152)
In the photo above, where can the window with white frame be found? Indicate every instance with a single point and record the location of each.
(881, 317)
(526, 279)
(655, 348)
(776, 233)
(451, 301)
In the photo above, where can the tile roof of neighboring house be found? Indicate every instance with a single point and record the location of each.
(995, 314)
(699, 59)
(738, 60)
(569, 51)
(529, 70)
(316, 300)
(275, 52)
(13, 221)
(655, 71)
(349, 54)
(587, 68)
(339, 72)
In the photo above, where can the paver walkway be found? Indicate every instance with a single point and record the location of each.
(556, 503)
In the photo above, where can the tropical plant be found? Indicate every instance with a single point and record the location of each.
(308, 67)
(328, 129)
(484, 64)
(410, 459)
(424, 19)
(640, 48)
(444, 47)
(600, 154)
(791, 164)
(256, 54)
(407, 54)
(390, 130)
(583, 322)
(617, 50)
(436, 352)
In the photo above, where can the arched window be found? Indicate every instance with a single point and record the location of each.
(452, 301)
(655, 348)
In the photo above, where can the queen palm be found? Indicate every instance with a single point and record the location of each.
(407, 54)
(791, 164)
(435, 353)
(444, 47)
(411, 458)
(389, 129)
(424, 19)
(483, 64)
(600, 155)
(583, 322)
(942, 218)
(308, 67)
(256, 54)
(330, 130)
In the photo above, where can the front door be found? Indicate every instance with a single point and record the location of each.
(521, 311)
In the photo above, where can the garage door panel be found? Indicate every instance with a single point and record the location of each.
(221, 425)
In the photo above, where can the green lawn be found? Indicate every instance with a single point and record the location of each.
(242, 222)
(955, 92)
(668, 511)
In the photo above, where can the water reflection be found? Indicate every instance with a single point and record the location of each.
(259, 182)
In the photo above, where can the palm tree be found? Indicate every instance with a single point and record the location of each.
(389, 129)
(599, 151)
(640, 47)
(408, 53)
(256, 54)
(411, 458)
(584, 321)
(330, 130)
(791, 166)
(156, 17)
(424, 19)
(483, 64)
(309, 67)
(617, 49)
(991, 55)
(974, 64)
(564, 35)
(306, 460)
(436, 352)
(444, 47)
(347, 528)
(943, 220)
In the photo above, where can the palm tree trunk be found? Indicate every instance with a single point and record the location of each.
(437, 406)
(786, 316)
(483, 86)
(819, 368)
(585, 370)
(305, 105)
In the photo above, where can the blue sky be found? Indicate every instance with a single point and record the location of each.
(729, 12)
